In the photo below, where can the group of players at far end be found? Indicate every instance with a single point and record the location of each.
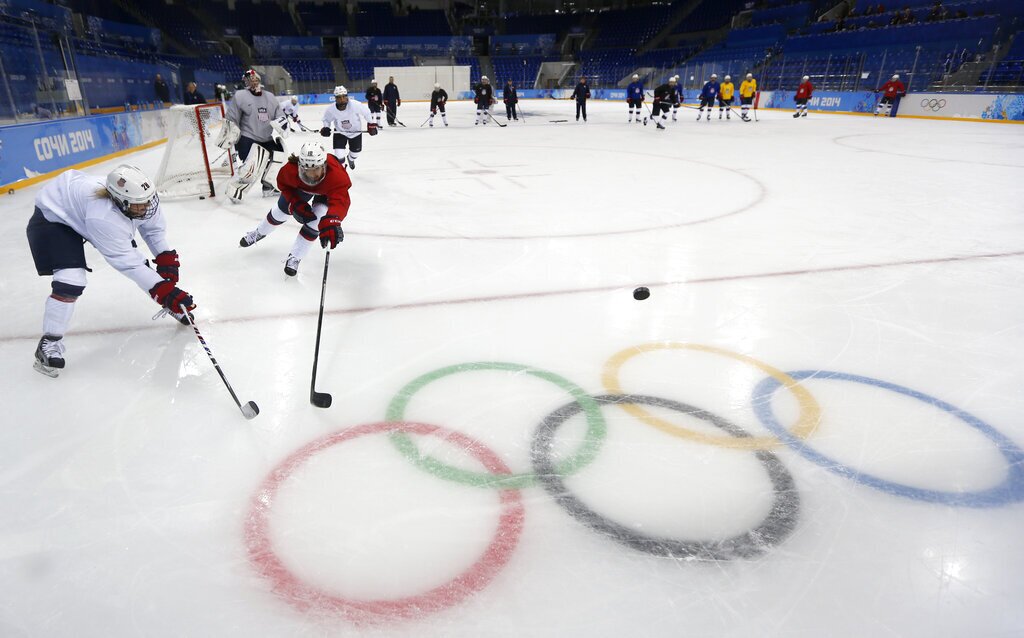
(669, 97)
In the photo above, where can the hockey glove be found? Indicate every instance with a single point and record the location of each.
(302, 212)
(171, 297)
(167, 265)
(433, 111)
(330, 231)
(325, 131)
(371, 128)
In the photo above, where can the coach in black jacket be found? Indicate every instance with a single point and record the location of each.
(391, 100)
(511, 99)
(582, 94)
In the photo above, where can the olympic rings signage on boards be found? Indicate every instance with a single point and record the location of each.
(779, 523)
(933, 104)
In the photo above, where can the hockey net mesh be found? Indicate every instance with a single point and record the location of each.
(192, 162)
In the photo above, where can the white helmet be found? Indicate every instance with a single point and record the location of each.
(896, 77)
(340, 90)
(132, 192)
(483, 78)
(373, 81)
(636, 77)
(436, 85)
(252, 80)
(676, 77)
(312, 163)
(750, 76)
(728, 78)
(806, 78)
(672, 79)
(714, 76)
(295, 99)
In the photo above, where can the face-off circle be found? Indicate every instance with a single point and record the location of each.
(306, 597)
(776, 527)
(596, 428)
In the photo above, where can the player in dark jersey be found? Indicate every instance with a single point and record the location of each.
(437, 101)
(484, 98)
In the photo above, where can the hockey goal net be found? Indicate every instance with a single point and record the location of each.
(192, 162)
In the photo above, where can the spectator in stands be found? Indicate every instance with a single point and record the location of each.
(510, 99)
(581, 94)
(192, 95)
(163, 92)
(392, 100)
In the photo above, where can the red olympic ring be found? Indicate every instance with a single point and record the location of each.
(303, 596)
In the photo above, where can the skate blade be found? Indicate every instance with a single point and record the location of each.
(53, 373)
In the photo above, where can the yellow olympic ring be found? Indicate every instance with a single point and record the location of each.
(810, 411)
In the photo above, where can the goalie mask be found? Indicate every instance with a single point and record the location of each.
(253, 81)
(132, 192)
(312, 163)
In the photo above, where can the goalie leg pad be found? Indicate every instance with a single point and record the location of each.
(254, 168)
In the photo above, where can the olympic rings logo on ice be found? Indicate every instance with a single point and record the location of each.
(933, 104)
(776, 526)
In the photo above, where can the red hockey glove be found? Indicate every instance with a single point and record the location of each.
(371, 128)
(302, 212)
(330, 231)
(171, 297)
(167, 265)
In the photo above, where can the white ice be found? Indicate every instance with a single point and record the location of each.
(133, 495)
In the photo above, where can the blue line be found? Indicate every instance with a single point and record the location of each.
(1011, 490)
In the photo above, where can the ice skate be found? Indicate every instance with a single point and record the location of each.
(250, 238)
(50, 356)
(291, 266)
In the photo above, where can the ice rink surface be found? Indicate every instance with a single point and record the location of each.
(813, 427)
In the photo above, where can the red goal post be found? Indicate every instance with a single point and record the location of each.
(192, 162)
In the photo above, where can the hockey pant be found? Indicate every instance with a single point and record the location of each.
(433, 111)
(59, 251)
(886, 104)
(354, 144)
(659, 107)
(308, 233)
(375, 114)
(724, 106)
(745, 104)
(482, 113)
(801, 106)
(634, 105)
(708, 102)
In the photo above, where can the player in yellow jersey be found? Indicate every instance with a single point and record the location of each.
(725, 96)
(748, 89)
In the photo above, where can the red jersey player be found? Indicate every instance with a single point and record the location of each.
(803, 94)
(314, 190)
(891, 91)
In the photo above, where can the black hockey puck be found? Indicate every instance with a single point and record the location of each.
(641, 293)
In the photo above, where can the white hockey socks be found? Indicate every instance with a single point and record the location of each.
(57, 316)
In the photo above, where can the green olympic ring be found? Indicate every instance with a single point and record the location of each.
(596, 428)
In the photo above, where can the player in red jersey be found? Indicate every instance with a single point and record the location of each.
(891, 91)
(314, 190)
(803, 95)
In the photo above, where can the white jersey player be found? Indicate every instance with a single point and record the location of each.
(346, 117)
(75, 208)
(290, 109)
(253, 119)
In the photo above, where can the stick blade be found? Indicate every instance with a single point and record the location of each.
(250, 410)
(320, 399)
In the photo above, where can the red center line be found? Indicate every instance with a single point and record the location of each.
(549, 293)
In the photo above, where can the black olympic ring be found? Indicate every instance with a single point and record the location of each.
(776, 527)
(933, 104)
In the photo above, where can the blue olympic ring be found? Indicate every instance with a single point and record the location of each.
(1009, 491)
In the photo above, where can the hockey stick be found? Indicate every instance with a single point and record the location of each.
(320, 399)
(488, 112)
(425, 122)
(250, 409)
